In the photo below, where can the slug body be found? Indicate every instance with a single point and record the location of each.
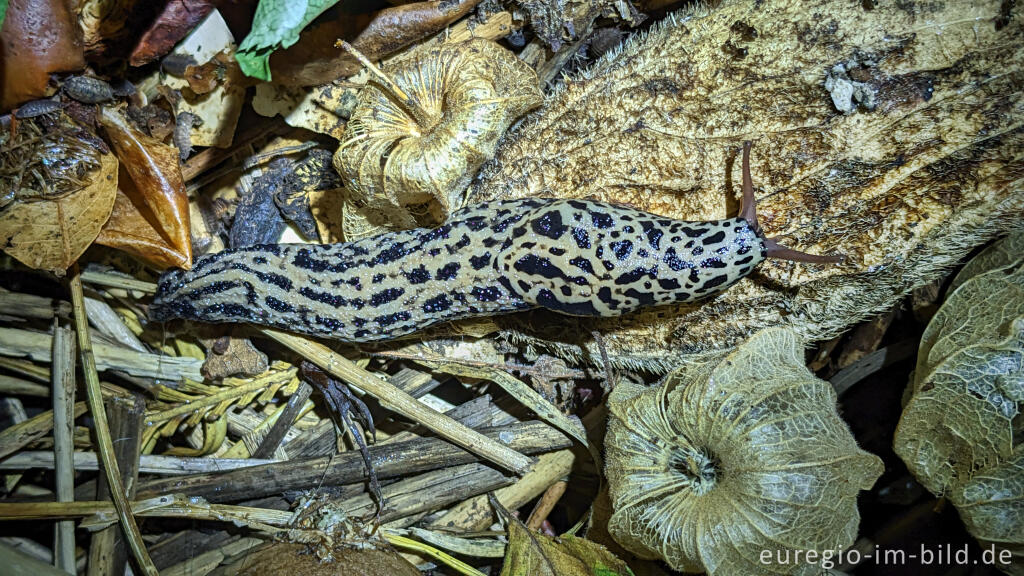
(576, 257)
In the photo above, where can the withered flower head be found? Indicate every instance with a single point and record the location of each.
(412, 151)
(733, 456)
(962, 430)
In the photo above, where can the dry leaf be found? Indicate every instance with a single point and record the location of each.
(39, 38)
(284, 558)
(221, 95)
(103, 21)
(151, 215)
(557, 20)
(733, 455)
(960, 431)
(57, 191)
(905, 189)
(314, 60)
(403, 160)
(533, 554)
(175, 20)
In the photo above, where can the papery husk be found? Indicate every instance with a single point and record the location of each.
(905, 184)
(733, 455)
(404, 167)
(960, 432)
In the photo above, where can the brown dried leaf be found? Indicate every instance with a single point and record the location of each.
(733, 455)
(221, 70)
(50, 234)
(404, 166)
(533, 554)
(905, 189)
(39, 38)
(103, 20)
(555, 21)
(286, 558)
(151, 216)
(176, 19)
(314, 60)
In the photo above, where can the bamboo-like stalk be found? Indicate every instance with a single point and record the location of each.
(108, 553)
(11, 386)
(104, 443)
(37, 345)
(15, 437)
(149, 463)
(170, 506)
(427, 550)
(397, 400)
(63, 374)
(476, 514)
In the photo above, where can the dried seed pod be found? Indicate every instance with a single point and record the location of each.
(416, 142)
(740, 453)
(88, 90)
(960, 430)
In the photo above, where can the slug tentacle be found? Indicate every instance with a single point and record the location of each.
(575, 257)
(748, 212)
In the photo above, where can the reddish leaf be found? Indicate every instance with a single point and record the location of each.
(314, 60)
(175, 21)
(39, 38)
(150, 217)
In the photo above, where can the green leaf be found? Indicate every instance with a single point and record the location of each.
(3, 11)
(533, 554)
(277, 24)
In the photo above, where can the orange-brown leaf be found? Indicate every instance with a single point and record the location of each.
(151, 215)
(314, 60)
(39, 38)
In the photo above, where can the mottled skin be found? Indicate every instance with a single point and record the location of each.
(572, 256)
(576, 257)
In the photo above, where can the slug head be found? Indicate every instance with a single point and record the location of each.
(748, 212)
(588, 258)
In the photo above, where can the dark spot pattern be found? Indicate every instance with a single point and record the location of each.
(571, 256)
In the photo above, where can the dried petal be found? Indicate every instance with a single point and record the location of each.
(396, 161)
(740, 453)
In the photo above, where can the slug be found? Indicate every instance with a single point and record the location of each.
(577, 257)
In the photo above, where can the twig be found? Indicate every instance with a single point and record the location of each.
(390, 460)
(546, 504)
(63, 374)
(394, 399)
(104, 443)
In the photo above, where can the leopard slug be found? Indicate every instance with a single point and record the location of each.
(577, 257)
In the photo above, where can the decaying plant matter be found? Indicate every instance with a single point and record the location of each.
(960, 430)
(730, 456)
(920, 161)
(408, 154)
(58, 182)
